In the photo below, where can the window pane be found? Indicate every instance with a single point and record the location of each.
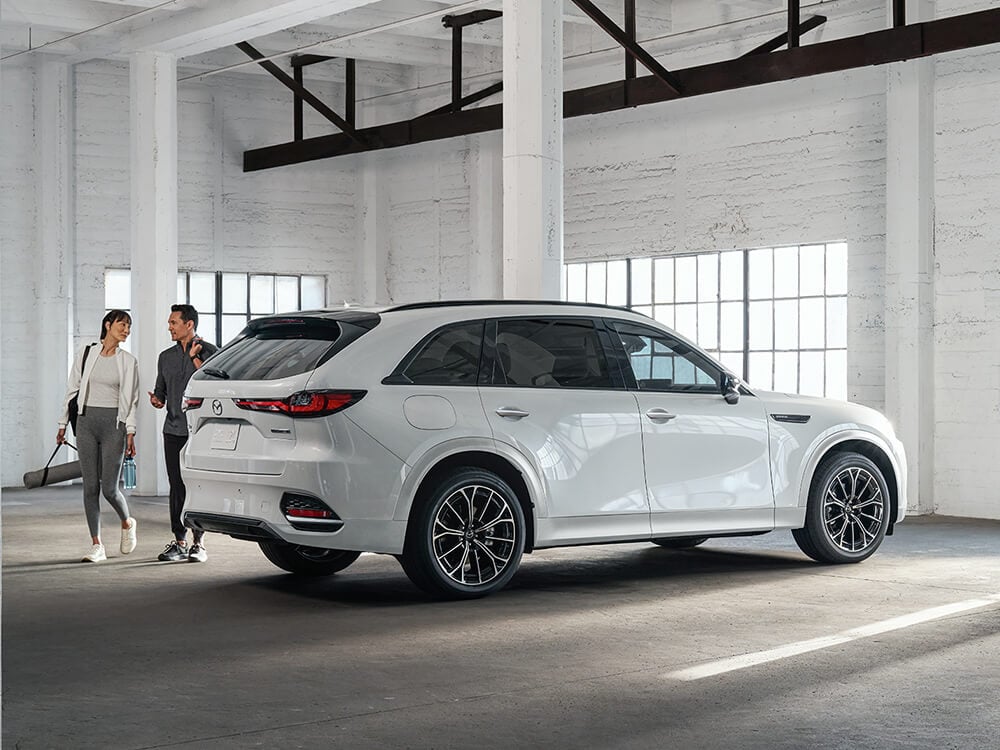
(261, 295)
(836, 375)
(836, 268)
(313, 292)
(550, 353)
(761, 330)
(812, 327)
(451, 357)
(786, 324)
(836, 323)
(617, 283)
(664, 314)
(664, 269)
(203, 293)
(731, 275)
(182, 288)
(576, 282)
(647, 311)
(761, 274)
(206, 328)
(732, 326)
(708, 277)
(786, 271)
(708, 325)
(812, 367)
(234, 293)
(596, 282)
(686, 319)
(786, 372)
(642, 281)
(760, 370)
(286, 293)
(686, 270)
(231, 326)
(812, 270)
(733, 361)
(117, 289)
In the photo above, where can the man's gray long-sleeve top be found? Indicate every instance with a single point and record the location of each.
(174, 369)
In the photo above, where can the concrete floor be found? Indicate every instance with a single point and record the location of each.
(584, 649)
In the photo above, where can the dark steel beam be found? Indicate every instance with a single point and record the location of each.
(459, 20)
(898, 13)
(793, 24)
(297, 106)
(467, 100)
(782, 39)
(298, 61)
(875, 48)
(636, 51)
(350, 90)
(309, 97)
(630, 32)
(456, 68)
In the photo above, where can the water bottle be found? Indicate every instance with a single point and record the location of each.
(128, 473)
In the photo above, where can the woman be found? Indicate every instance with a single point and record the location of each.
(106, 383)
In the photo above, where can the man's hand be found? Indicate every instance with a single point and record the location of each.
(129, 446)
(61, 436)
(194, 351)
(154, 400)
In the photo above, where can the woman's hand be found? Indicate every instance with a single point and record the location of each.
(129, 446)
(61, 436)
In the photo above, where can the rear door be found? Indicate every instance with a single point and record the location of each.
(551, 391)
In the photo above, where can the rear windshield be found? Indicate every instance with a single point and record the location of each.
(271, 349)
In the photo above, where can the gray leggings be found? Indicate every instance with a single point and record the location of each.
(101, 444)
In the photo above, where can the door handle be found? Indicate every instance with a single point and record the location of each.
(510, 411)
(660, 415)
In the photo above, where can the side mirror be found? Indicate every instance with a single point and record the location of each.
(730, 387)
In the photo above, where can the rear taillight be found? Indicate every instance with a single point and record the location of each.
(304, 403)
(192, 403)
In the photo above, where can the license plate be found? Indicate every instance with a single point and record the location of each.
(224, 437)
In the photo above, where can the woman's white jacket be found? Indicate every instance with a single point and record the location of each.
(128, 390)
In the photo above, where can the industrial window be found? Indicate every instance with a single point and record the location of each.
(226, 302)
(778, 316)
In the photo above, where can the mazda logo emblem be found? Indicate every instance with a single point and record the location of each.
(216, 407)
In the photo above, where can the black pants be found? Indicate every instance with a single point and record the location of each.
(172, 447)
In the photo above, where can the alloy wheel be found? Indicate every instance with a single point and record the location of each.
(853, 509)
(474, 535)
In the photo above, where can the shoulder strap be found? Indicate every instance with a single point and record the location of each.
(83, 364)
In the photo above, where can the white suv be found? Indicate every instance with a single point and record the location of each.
(460, 435)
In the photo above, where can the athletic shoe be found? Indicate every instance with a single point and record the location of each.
(96, 554)
(174, 552)
(128, 537)
(198, 553)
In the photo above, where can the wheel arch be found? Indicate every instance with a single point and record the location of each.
(870, 449)
(479, 459)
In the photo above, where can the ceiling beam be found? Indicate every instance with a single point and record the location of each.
(874, 48)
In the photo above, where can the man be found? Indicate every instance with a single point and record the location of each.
(174, 368)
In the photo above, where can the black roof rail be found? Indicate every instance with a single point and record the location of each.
(472, 302)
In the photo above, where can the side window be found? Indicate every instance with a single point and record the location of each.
(663, 363)
(449, 356)
(550, 353)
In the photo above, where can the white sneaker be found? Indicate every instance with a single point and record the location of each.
(96, 554)
(128, 537)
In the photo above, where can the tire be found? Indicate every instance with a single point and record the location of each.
(848, 510)
(451, 557)
(680, 542)
(307, 561)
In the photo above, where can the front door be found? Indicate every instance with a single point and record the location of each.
(706, 461)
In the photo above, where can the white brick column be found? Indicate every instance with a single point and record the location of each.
(532, 149)
(153, 153)
(372, 286)
(55, 260)
(909, 267)
(486, 210)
